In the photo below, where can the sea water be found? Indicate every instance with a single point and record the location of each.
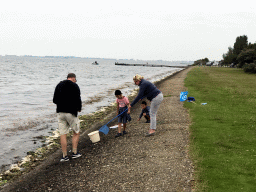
(27, 84)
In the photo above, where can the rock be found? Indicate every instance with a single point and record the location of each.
(14, 167)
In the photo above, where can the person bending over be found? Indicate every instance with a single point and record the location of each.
(148, 90)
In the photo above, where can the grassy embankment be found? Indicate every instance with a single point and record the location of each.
(223, 132)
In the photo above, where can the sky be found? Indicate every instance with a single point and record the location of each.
(135, 29)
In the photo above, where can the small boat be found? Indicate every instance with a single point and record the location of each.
(95, 63)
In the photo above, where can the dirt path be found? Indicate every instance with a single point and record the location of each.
(129, 163)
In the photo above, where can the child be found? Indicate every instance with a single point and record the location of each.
(122, 105)
(145, 111)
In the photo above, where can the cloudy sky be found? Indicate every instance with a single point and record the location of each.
(134, 29)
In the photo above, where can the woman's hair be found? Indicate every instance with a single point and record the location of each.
(138, 77)
(118, 92)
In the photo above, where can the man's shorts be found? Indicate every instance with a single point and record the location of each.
(66, 121)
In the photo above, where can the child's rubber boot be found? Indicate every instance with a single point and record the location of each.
(124, 132)
(118, 135)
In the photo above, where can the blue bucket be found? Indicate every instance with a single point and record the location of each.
(104, 129)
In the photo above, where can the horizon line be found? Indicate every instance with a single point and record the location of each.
(88, 58)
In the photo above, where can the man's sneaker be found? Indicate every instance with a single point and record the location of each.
(74, 156)
(118, 135)
(64, 159)
(148, 121)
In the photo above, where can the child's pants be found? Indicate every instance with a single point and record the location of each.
(155, 103)
(124, 117)
(147, 117)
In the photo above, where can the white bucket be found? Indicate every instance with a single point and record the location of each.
(94, 136)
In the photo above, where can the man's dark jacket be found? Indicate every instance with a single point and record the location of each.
(67, 97)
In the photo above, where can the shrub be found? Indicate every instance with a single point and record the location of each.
(250, 67)
(246, 56)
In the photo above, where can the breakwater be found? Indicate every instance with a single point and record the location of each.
(149, 65)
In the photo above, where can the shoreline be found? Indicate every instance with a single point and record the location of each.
(89, 122)
(48, 137)
(129, 163)
(28, 114)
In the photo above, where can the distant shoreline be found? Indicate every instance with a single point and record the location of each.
(97, 58)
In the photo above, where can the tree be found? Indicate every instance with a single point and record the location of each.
(251, 46)
(229, 57)
(240, 44)
(201, 61)
(206, 60)
(232, 54)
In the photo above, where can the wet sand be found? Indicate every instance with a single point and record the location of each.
(129, 163)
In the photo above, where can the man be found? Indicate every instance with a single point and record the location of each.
(68, 101)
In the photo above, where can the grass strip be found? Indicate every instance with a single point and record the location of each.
(223, 132)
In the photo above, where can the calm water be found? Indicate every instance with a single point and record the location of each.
(27, 85)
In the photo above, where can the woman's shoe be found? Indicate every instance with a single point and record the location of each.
(149, 134)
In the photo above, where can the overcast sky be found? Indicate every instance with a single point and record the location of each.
(134, 29)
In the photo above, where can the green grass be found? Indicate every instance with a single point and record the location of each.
(223, 132)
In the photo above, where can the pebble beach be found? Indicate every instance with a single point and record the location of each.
(129, 163)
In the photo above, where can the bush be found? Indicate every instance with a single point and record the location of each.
(201, 61)
(246, 56)
(250, 67)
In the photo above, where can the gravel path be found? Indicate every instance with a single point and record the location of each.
(129, 163)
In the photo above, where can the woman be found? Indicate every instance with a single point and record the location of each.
(149, 90)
